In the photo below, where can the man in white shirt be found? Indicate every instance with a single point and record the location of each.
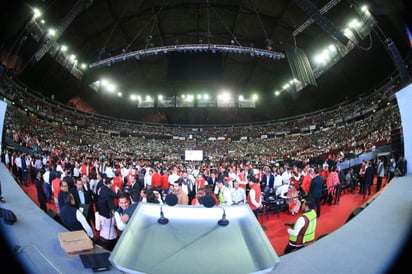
(278, 180)
(282, 191)
(173, 177)
(286, 175)
(238, 194)
(47, 187)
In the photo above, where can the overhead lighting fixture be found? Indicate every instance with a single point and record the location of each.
(189, 48)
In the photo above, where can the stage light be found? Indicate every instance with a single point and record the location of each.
(189, 48)
(36, 13)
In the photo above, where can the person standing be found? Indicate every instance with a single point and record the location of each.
(307, 179)
(303, 230)
(47, 184)
(55, 188)
(212, 178)
(342, 177)
(188, 186)
(69, 179)
(381, 173)
(315, 190)
(362, 171)
(71, 217)
(156, 178)
(83, 200)
(332, 183)
(64, 187)
(105, 224)
(127, 205)
(369, 176)
(350, 180)
(401, 166)
(224, 194)
(254, 198)
(41, 195)
(391, 169)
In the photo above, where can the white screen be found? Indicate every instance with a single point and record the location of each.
(194, 155)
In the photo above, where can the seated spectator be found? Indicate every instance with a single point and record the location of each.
(238, 193)
(282, 191)
(293, 200)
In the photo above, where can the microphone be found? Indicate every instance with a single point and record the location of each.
(162, 220)
(223, 221)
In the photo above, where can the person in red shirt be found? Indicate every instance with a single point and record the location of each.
(254, 196)
(85, 168)
(165, 181)
(200, 182)
(55, 184)
(242, 178)
(156, 179)
(118, 180)
(331, 182)
(307, 179)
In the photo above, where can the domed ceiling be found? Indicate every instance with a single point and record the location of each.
(100, 32)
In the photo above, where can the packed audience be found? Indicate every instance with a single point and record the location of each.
(116, 164)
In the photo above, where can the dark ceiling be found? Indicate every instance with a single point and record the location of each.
(109, 27)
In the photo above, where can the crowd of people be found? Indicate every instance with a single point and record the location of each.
(96, 179)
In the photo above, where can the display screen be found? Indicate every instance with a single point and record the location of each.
(194, 155)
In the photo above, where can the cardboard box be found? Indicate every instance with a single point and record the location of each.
(75, 242)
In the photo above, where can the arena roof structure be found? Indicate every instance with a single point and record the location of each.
(176, 48)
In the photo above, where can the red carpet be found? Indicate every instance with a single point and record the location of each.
(332, 217)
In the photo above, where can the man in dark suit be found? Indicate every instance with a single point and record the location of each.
(268, 181)
(315, 189)
(83, 200)
(369, 176)
(213, 178)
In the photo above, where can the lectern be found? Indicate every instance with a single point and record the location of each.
(193, 241)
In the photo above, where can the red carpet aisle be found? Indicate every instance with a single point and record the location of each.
(332, 217)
